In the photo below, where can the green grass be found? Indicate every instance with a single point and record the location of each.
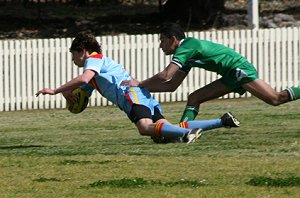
(53, 153)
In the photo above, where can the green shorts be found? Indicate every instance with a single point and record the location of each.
(239, 75)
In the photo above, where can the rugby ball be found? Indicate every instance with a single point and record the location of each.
(82, 101)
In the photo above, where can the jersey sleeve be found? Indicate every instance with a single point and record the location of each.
(181, 56)
(93, 64)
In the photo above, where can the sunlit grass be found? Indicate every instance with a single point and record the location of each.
(99, 153)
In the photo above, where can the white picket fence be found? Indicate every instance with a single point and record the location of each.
(29, 65)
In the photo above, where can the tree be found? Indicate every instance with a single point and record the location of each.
(204, 13)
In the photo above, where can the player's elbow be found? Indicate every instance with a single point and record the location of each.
(170, 86)
(164, 76)
(84, 80)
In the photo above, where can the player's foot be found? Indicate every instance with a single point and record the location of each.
(165, 140)
(228, 120)
(172, 140)
(192, 135)
(157, 140)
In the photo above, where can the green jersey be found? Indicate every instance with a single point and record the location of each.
(207, 55)
(232, 66)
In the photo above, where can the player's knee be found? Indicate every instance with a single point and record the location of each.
(191, 97)
(275, 101)
(194, 99)
(143, 130)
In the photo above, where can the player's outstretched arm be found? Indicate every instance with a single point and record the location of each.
(167, 80)
(169, 85)
(133, 82)
(74, 83)
(45, 91)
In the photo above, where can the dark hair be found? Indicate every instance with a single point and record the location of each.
(85, 40)
(172, 29)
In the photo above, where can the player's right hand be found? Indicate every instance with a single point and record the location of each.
(71, 98)
(45, 91)
(132, 82)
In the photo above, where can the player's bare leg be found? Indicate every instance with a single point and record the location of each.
(211, 91)
(266, 93)
(147, 127)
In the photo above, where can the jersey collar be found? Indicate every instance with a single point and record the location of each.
(180, 42)
(93, 53)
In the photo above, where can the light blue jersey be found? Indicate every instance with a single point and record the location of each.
(107, 80)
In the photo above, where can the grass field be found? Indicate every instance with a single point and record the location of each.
(99, 153)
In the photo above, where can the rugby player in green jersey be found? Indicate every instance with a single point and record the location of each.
(237, 74)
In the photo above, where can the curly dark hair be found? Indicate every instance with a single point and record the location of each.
(172, 29)
(87, 41)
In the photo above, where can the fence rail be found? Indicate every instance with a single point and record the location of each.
(29, 65)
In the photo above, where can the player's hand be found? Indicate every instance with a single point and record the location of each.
(45, 91)
(71, 98)
(133, 83)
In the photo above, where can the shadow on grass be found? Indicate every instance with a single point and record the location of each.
(20, 147)
(141, 183)
(277, 182)
(43, 179)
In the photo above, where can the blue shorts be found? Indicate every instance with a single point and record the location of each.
(140, 97)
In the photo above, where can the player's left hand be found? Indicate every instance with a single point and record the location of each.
(45, 91)
(71, 99)
(132, 82)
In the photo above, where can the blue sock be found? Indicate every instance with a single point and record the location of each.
(169, 130)
(203, 124)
